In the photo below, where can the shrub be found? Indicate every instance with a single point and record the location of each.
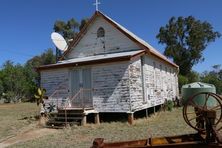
(170, 105)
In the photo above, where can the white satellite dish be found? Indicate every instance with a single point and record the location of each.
(59, 41)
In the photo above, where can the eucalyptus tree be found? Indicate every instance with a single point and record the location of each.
(185, 39)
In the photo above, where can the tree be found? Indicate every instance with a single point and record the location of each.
(214, 77)
(67, 29)
(193, 77)
(185, 40)
(32, 76)
(182, 80)
(70, 28)
(45, 58)
(83, 23)
(14, 81)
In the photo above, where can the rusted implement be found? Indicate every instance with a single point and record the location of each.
(204, 116)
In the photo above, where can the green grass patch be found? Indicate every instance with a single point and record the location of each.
(15, 117)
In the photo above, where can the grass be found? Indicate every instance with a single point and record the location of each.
(15, 117)
(161, 124)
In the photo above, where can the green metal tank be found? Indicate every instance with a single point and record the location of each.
(189, 90)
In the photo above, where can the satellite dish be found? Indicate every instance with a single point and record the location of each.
(59, 41)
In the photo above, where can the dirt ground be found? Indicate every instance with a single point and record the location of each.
(18, 124)
(27, 135)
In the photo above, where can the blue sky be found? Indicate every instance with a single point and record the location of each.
(26, 25)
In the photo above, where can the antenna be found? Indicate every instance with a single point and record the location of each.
(97, 5)
(59, 41)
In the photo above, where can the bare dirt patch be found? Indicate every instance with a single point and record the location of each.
(27, 135)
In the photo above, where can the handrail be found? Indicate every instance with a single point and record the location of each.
(57, 98)
(79, 94)
(57, 88)
(76, 94)
(81, 90)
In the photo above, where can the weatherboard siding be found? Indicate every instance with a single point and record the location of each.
(111, 87)
(55, 82)
(122, 86)
(136, 86)
(114, 41)
(151, 82)
(160, 81)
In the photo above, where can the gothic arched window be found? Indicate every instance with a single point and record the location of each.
(100, 32)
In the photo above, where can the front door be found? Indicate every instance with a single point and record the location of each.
(80, 88)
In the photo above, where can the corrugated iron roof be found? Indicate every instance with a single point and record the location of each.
(102, 56)
(97, 59)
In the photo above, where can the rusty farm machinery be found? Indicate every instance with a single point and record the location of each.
(202, 112)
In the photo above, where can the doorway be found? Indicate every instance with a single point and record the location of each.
(81, 87)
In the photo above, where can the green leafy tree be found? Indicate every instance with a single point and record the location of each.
(67, 29)
(45, 58)
(19, 82)
(213, 77)
(182, 80)
(193, 77)
(32, 76)
(70, 28)
(13, 80)
(185, 40)
(83, 23)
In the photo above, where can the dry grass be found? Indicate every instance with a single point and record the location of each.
(14, 118)
(161, 124)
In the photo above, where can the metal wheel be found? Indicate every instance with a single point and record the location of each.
(194, 112)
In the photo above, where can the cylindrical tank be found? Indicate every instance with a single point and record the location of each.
(189, 90)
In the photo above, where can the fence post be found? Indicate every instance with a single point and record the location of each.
(57, 102)
(65, 117)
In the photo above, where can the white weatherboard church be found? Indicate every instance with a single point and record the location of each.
(109, 69)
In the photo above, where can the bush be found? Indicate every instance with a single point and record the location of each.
(170, 105)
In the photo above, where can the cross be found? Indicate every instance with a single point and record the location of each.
(97, 5)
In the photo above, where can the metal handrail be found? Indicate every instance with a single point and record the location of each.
(81, 90)
(57, 98)
(79, 94)
(57, 88)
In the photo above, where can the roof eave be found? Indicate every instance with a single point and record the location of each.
(83, 63)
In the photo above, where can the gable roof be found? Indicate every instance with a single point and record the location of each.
(140, 42)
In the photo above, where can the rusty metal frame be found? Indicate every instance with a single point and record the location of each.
(183, 141)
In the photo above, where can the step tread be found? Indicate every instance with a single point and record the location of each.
(70, 113)
(55, 123)
(68, 118)
(55, 127)
(77, 109)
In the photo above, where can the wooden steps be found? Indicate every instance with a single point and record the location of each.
(67, 117)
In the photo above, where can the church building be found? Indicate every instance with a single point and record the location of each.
(108, 69)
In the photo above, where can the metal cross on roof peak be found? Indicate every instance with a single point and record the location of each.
(97, 5)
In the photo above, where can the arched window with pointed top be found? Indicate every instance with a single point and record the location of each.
(100, 32)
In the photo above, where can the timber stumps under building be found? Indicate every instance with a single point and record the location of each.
(108, 69)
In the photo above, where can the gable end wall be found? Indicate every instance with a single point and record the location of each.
(114, 41)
